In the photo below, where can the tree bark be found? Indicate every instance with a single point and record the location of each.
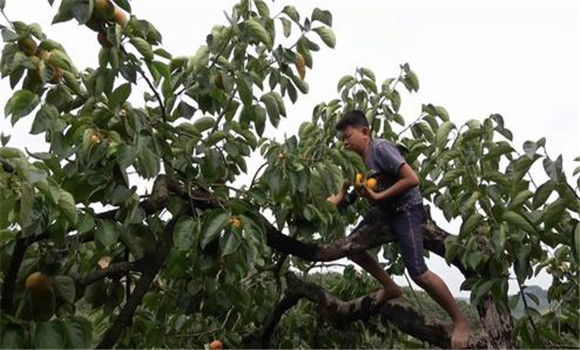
(339, 313)
(10, 280)
(156, 261)
(498, 327)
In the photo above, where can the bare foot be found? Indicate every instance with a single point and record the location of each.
(385, 294)
(460, 337)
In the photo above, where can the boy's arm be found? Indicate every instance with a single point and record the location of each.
(407, 179)
(339, 197)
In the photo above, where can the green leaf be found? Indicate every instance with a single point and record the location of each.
(520, 198)
(2, 4)
(78, 333)
(259, 32)
(499, 238)
(470, 223)
(286, 26)
(271, 108)
(143, 47)
(542, 194)
(300, 84)
(107, 233)
(414, 82)
(21, 104)
(530, 148)
(82, 10)
(443, 133)
(473, 259)
(64, 12)
(500, 149)
(119, 96)
(12, 335)
(48, 336)
(369, 85)
(232, 241)
(215, 137)
(245, 90)
(426, 131)
(44, 119)
(259, 119)
(183, 233)
(451, 252)
(200, 59)
(442, 113)
(480, 291)
(66, 205)
(327, 36)
(518, 220)
(204, 123)
(213, 225)
(124, 4)
(322, 16)
(343, 81)
(469, 204)
(262, 8)
(292, 13)
(85, 223)
(65, 286)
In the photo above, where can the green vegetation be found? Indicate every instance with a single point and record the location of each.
(194, 260)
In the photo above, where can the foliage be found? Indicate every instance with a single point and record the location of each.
(200, 120)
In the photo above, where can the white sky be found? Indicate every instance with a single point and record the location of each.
(517, 58)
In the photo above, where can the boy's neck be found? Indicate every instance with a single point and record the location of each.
(366, 151)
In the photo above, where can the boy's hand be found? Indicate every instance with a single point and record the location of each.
(339, 197)
(365, 191)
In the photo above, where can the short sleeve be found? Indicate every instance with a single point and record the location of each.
(389, 158)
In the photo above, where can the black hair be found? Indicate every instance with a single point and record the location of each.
(355, 118)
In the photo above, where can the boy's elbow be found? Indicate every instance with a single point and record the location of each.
(413, 180)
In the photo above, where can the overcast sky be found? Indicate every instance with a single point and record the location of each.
(516, 58)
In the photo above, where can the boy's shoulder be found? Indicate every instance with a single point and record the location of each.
(384, 145)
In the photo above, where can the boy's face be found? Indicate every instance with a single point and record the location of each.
(355, 138)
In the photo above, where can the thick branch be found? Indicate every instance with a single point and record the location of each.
(402, 315)
(112, 270)
(12, 274)
(372, 233)
(286, 303)
(156, 261)
(368, 236)
(497, 326)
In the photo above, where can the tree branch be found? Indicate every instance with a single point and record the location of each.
(10, 279)
(286, 303)
(401, 314)
(112, 270)
(156, 261)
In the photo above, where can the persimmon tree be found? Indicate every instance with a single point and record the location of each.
(90, 261)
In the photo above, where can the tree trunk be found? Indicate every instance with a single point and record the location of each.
(498, 327)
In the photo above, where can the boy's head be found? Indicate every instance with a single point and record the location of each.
(355, 131)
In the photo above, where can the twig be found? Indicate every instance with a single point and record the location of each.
(413, 290)
(6, 17)
(223, 113)
(157, 96)
(256, 174)
(410, 125)
(529, 316)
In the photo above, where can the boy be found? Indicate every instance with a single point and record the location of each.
(397, 198)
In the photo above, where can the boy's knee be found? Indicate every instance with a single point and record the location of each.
(421, 279)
